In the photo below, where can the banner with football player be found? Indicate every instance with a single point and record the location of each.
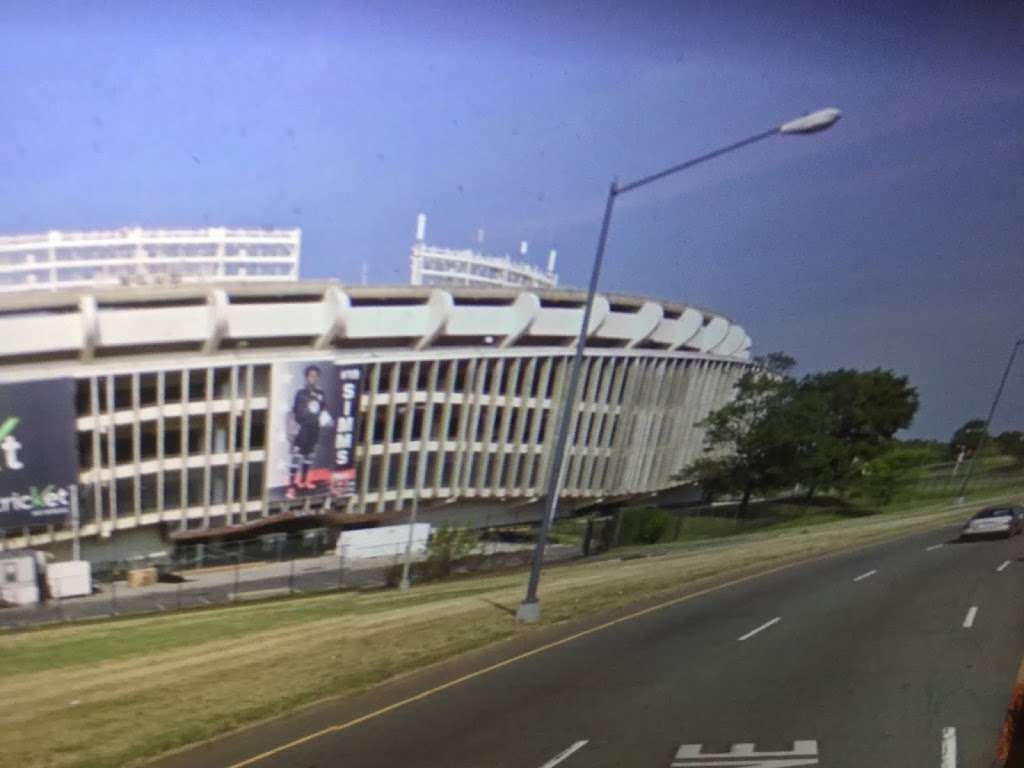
(314, 423)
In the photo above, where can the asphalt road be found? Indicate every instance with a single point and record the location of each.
(884, 656)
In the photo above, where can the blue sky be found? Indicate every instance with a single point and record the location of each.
(894, 240)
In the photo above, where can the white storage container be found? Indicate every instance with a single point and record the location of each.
(71, 578)
(18, 579)
(386, 541)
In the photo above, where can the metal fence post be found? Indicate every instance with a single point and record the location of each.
(617, 532)
(60, 606)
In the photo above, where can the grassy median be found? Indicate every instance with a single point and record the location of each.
(117, 692)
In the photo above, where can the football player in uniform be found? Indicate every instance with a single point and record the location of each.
(309, 409)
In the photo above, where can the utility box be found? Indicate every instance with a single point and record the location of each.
(19, 582)
(386, 541)
(142, 577)
(72, 578)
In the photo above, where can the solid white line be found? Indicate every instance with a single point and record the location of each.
(763, 627)
(865, 575)
(948, 748)
(933, 546)
(971, 613)
(564, 754)
(1002, 567)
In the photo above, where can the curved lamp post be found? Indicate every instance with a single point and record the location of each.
(962, 496)
(529, 609)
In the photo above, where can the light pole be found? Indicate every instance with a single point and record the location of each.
(961, 497)
(529, 609)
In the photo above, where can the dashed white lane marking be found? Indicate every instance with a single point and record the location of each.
(865, 575)
(933, 546)
(969, 619)
(565, 753)
(1002, 567)
(762, 628)
(948, 748)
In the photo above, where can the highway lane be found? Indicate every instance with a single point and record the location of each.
(865, 658)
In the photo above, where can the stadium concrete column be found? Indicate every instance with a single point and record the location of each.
(136, 450)
(161, 389)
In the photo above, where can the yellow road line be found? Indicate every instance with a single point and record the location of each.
(570, 638)
(527, 654)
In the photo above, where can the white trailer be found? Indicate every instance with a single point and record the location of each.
(386, 541)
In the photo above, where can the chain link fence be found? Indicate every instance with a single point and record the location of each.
(275, 565)
(201, 575)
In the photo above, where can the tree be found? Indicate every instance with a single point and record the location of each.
(749, 440)
(775, 363)
(1011, 444)
(865, 410)
(968, 437)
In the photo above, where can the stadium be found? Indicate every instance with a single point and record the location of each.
(186, 386)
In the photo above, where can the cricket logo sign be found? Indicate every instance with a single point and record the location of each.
(38, 452)
(314, 424)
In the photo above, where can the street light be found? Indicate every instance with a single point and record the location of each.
(529, 609)
(961, 497)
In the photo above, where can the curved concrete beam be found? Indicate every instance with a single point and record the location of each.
(335, 304)
(440, 305)
(690, 324)
(598, 314)
(525, 307)
(217, 319)
(712, 334)
(732, 342)
(646, 321)
(88, 311)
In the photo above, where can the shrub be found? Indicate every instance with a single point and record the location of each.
(886, 476)
(643, 525)
(447, 545)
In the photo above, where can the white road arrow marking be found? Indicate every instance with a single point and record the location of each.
(865, 575)
(744, 755)
(1002, 567)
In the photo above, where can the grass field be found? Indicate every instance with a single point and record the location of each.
(935, 485)
(114, 693)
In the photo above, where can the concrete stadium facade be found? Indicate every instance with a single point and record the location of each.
(458, 406)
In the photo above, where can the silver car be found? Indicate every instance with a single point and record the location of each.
(995, 521)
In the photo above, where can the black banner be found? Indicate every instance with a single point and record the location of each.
(350, 386)
(315, 424)
(38, 452)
